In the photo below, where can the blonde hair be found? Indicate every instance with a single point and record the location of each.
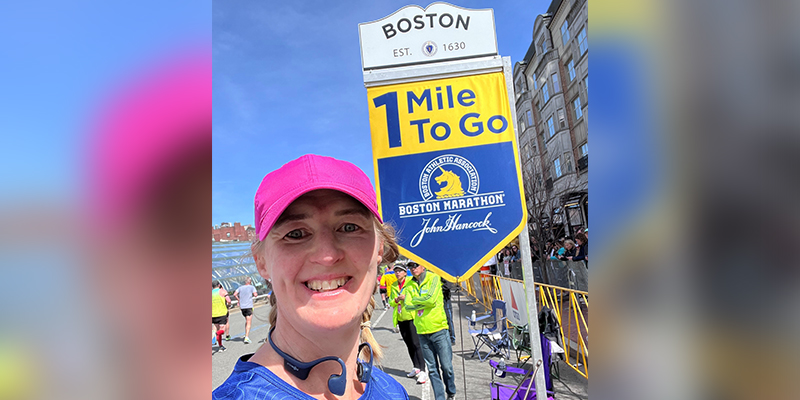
(390, 253)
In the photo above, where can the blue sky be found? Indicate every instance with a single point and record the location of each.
(287, 82)
(57, 60)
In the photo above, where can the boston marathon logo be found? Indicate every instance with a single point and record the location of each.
(449, 184)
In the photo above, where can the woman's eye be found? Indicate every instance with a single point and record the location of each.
(350, 227)
(295, 234)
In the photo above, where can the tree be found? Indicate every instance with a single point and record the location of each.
(544, 201)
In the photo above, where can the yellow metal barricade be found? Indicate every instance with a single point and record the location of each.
(570, 306)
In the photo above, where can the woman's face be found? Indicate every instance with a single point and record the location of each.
(322, 255)
(580, 242)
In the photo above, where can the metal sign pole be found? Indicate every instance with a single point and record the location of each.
(527, 265)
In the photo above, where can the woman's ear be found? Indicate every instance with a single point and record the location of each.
(261, 264)
(380, 249)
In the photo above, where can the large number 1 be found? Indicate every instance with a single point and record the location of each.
(392, 117)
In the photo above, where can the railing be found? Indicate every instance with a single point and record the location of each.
(570, 306)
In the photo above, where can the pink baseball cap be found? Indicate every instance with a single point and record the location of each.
(309, 172)
(147, 125)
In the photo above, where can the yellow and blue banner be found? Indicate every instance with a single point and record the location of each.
(447, 169)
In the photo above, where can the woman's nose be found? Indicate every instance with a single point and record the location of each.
(327, 250)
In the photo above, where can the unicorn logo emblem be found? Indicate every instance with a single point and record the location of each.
(454, 176)
(452, 187)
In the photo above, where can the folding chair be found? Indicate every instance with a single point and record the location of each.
(493, 334)
(520, 341)
(525, 390)
(550, 339)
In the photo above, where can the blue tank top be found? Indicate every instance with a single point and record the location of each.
(253, 381)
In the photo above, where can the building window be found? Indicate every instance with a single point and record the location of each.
(561, 120)
(521, 124)
(557, 165)
(571, 68)
(541, 140)
(535, 84)
(582, 43)
(550, 126)
(556, 86)
(584, 149)
(530, 117)
(568, 162)
(578, 111)
(565, 32)
(228, 234)
(545, 92)
(544, 46)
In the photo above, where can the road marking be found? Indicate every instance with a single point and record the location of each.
(426, 389)
(381, 316)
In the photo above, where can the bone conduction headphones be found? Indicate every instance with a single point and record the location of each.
(336, 383)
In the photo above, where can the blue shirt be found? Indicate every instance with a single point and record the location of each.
(253, 381)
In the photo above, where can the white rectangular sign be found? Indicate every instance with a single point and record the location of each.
(514, 296)
(413, 35)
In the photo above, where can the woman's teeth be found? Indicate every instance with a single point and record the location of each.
(323, 286)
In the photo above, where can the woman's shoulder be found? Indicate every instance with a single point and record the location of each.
(253, 381)
(385, 387)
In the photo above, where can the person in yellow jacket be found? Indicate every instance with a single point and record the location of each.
(423, 296)
(404, 320)
(387, 279)
(219, 312)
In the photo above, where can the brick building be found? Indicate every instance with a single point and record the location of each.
(551, 98)
(225, 232)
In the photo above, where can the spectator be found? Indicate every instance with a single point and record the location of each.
(550, 250)
(448, 310)
(507, 261)
(569, 250)
(583, 249)
(404, 320)
(560, 251)
(424, 297)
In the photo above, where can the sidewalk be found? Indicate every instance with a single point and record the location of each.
(396, 362)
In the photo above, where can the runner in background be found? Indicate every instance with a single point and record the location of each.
(248, 292)
(219, 311)
(387, 279)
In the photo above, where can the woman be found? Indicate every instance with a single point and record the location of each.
(583, 249)
(569, 250)
(515, 253)
(404, 320)
(507, 258)
(320, 240)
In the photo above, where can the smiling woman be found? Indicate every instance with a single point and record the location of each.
(320, 240)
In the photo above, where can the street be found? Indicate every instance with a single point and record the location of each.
(396, 361)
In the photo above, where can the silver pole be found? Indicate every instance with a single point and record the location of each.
(527, 265)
